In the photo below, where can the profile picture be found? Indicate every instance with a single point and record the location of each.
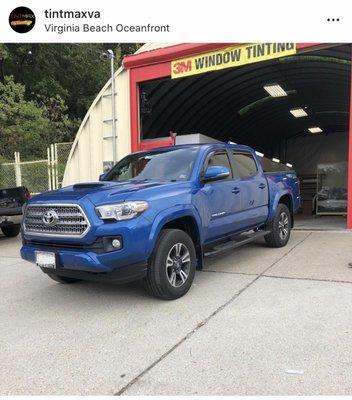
(22, 19)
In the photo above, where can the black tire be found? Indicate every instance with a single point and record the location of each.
(62, 279)
(276, 237)
(11, 231)
(167, 262)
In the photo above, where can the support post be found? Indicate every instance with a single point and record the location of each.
(18, 169)
(52, 166)
(56, 164)
(113, 110)
(49, 169)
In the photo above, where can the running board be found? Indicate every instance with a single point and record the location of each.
(237, 241)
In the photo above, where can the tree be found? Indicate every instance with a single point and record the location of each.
(45, 91)
(75, 72)
(3, 55)
(26, 126)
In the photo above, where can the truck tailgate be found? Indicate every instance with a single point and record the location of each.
(12, 200)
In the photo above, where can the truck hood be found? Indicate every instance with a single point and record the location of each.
(104, 192)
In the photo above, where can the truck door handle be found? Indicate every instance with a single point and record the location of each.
(236, 190)
(262, 186)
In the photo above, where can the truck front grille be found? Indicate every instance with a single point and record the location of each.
(56, 220)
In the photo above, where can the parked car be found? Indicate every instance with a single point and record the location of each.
(157, 214)
(11, 202)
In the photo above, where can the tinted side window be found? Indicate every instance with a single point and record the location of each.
(245, 165)
(220, 159)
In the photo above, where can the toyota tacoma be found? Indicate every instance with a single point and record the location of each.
(156, 214)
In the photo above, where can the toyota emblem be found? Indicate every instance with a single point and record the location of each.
(50, 217)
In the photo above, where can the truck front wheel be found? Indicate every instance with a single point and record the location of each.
(280, 227)
(11, 230)
(172, 266)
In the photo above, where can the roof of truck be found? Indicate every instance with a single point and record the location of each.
(203, 145)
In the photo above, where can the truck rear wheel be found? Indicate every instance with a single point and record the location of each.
(11, 231)
(280, 227)
(62, 279)
(172, 266)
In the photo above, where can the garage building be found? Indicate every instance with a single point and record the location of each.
(289, 101)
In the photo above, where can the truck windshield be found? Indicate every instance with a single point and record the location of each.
(172, 164)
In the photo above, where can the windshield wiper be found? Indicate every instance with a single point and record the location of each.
(140, 180)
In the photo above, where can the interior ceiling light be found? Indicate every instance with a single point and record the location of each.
(258, 153)
(289, 165)
(275, 90)
(276, 160)
(298, 112)
(315, 129)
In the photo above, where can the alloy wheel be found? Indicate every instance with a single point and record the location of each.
(283, 226)
(178, 264)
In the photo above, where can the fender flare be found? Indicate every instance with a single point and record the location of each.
(276, 201)
(169, 215)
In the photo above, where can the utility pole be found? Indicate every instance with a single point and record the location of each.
(111, 57)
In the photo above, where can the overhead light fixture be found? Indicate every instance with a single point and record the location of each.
(298, 112)
(276, 160)
(315, 129)
(289, 165)
(275, 90)
(258, 153)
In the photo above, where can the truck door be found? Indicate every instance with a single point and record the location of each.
(252, 187)
(217, 199)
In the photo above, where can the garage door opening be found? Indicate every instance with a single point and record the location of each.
(306, 126)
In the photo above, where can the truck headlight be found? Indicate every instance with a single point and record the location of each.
(122, 211)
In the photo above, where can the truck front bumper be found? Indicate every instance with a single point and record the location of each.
(88, 265)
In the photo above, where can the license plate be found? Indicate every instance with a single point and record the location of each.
(45, 260)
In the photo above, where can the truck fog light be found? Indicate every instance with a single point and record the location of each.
(116, 243)
(112, 243)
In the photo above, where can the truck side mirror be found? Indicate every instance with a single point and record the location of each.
(102, 176)
(216, 173)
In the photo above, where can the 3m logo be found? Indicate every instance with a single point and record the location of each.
(180, 67)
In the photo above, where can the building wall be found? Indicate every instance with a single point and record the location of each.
(92, 145)
(306, 152)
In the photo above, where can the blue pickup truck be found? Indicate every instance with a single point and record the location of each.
(156, 214)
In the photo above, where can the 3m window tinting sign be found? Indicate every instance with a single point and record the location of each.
(233, 56)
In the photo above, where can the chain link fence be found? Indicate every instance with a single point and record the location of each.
(34, 175)
(7, 168)
(37, 175)
(62, 151)
(7, 175)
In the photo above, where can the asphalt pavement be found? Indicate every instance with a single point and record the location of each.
(257, 321)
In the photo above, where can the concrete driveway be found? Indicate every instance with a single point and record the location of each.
(257, 321)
